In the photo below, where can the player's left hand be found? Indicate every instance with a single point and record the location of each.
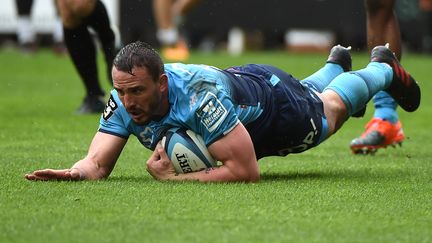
(159, 165)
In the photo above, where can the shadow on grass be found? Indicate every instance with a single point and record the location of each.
(264, 177)
(358, 175)
(295, 176)
(122, 178)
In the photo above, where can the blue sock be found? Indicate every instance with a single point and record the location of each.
(385, 107)
(357, 88)
(321, 78)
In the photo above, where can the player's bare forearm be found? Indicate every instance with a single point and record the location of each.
(235, 150)
(98, 164)
(91, 170)
(239, 165)
(218, 174)
(215, 174)
(161, 168)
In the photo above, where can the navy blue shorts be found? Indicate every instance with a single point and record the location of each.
(296, 122)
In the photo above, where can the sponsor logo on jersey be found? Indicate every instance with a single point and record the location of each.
(110, 107)
(211, 111)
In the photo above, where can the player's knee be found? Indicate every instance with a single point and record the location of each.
(377, 6)
(335, 110)
(73, 12)
(82, 8)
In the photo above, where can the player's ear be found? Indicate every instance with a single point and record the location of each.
(163, 81)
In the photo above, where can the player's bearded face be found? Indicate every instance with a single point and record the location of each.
(140, 95)
(148, 110)
(147, 106)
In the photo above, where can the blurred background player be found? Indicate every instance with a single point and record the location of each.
(426, 10)
(77, 17)
(169, 15)
(384, 128)
(26, 33)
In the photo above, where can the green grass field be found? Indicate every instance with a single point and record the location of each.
(326, 194)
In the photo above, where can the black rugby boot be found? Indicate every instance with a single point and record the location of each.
(403, 88)
(340, 55)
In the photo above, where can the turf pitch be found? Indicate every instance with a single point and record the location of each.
(323, 195)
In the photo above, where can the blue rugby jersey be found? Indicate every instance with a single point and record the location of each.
(211, 102)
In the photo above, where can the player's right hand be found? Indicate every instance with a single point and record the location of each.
(50, 174)
(159, 165)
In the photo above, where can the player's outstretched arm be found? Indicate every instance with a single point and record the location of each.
(98, 164)
(235, 150)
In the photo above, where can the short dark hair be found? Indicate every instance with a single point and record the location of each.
(139, 54)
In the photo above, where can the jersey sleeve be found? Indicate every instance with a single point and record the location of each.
(112, 120)
(215, 116)
(200, 100)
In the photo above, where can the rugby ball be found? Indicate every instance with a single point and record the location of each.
(187, 151)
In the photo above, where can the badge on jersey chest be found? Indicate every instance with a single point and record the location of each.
(211, 111)
(110, 107)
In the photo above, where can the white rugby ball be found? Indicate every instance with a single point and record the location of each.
(187, 151)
